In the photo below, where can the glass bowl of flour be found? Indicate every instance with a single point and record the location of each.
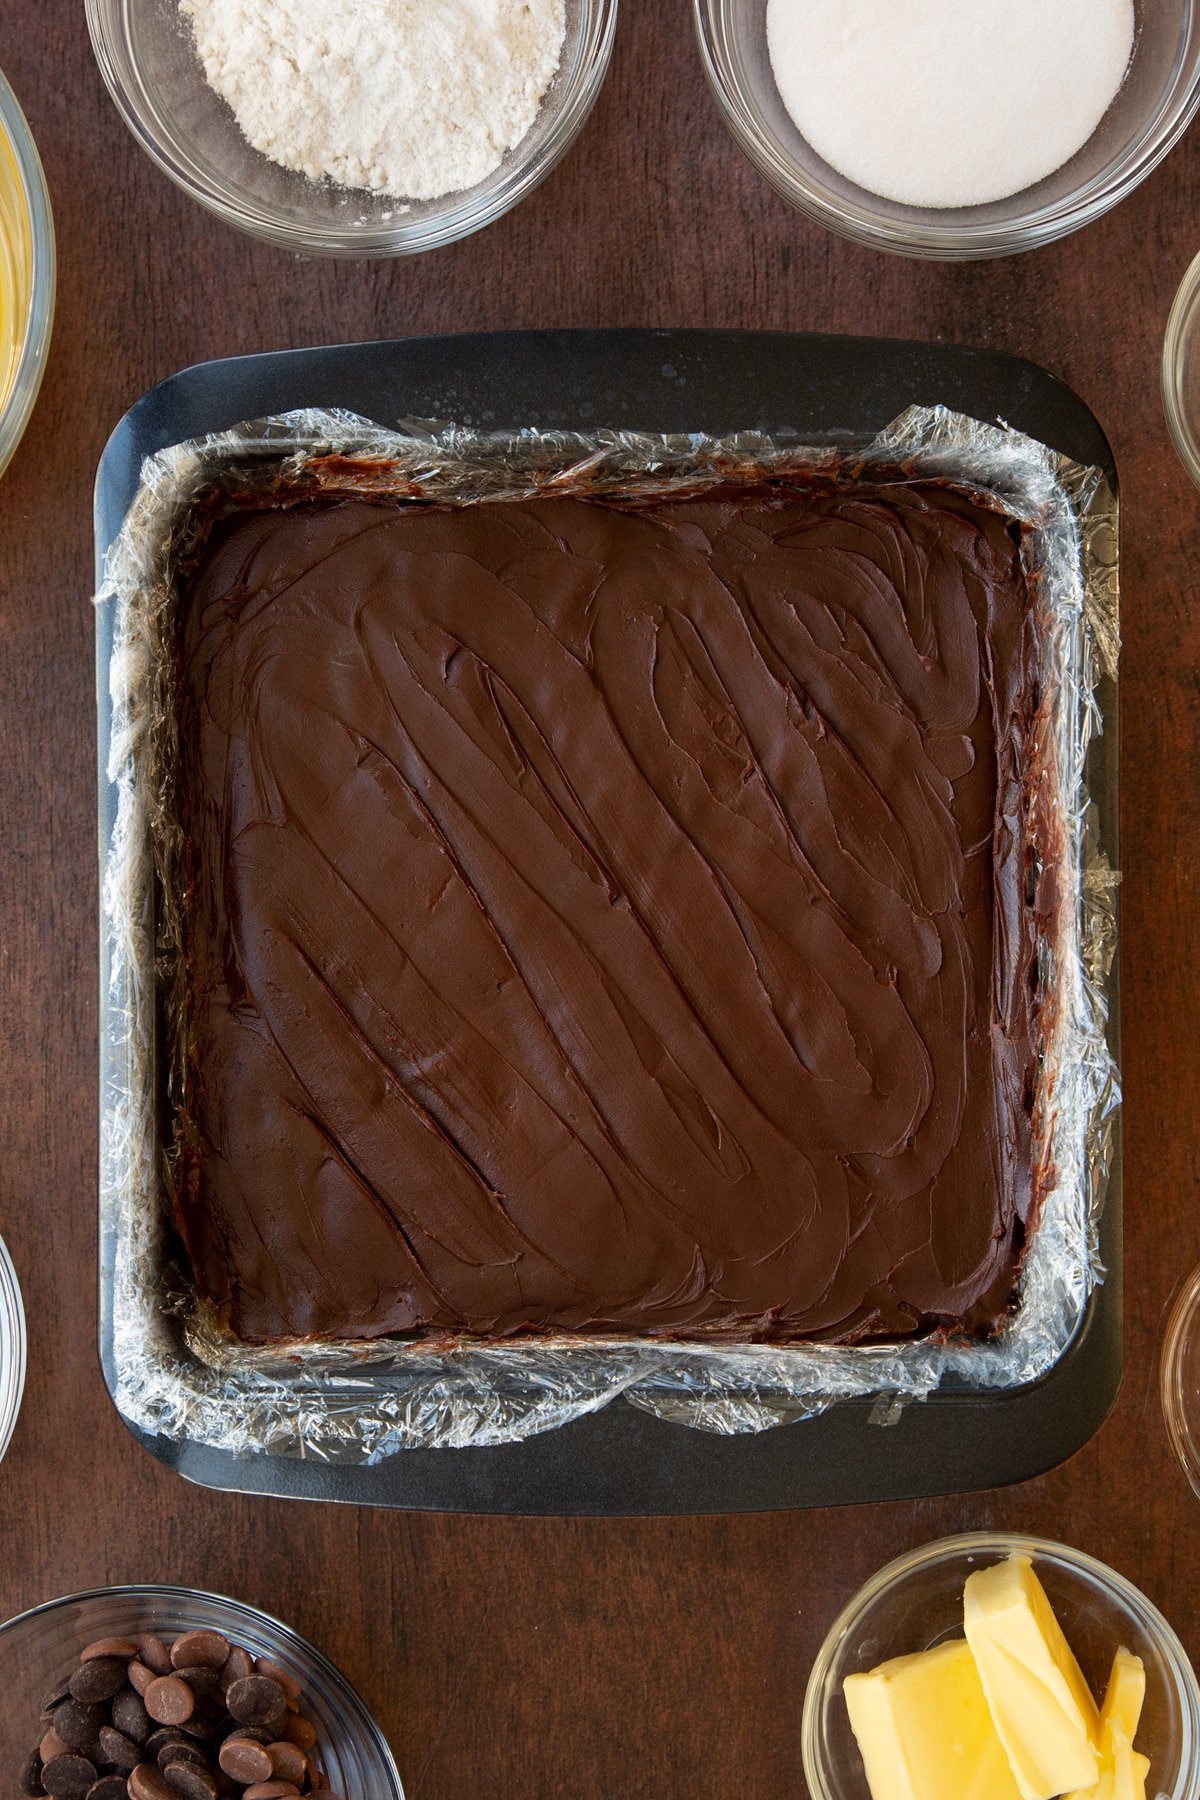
(359, 127)
(936, 129)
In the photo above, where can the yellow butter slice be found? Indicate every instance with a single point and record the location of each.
(1123, 1771)
(924, 1729)
(1041, 1706)
(1125, 1695)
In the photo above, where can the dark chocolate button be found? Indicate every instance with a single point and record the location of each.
(207, 1649)
(109, 1787)
(238, 1663)
(119, 1750)
(256, 1700)
(129, 1715)
(98, 1679)
(202, 1678)
(204, 1726)
(184, 1752)
(77, 1724)
(158, 1740)
(192, 1780)
(68, 1777)
(57, 1694)
(169, 1700)
(30, 1781)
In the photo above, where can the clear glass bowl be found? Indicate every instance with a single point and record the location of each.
(12, 1348)
(27, 249)
(1181, 371)
(38, 1648)
(1180, 1371)
(916, 1603)
(147, 58)
(1155, 106)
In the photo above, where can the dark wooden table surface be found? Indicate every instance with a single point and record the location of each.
(602, 1660)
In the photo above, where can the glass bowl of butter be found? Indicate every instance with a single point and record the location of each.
(1001, 1667)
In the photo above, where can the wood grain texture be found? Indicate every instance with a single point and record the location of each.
(602, 1660)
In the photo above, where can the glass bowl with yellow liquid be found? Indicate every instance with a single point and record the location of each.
(26, 273)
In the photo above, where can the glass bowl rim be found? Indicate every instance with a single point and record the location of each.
(1184, 1306)
(1003, 1543)
(962, 241)
(1187, 445)
(502, 191)
(12, 1313)
(31, 363)
(168, 1591)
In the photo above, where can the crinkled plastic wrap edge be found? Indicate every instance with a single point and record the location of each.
(177, 1376)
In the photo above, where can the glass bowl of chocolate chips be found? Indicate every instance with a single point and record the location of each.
(161, 1693)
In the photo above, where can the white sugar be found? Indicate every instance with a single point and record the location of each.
(948, 102)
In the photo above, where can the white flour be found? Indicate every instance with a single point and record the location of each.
(948, 102)
(415, 98)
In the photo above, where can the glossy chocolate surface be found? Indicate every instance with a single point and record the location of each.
(609, 917)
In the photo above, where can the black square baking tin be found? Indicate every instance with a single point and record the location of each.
(803, 389)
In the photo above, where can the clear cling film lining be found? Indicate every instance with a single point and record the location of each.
(179, 1375)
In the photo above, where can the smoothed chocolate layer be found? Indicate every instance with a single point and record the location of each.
(609, 917)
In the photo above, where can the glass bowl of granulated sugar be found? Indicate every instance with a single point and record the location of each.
(937, 129)
(359, 127)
